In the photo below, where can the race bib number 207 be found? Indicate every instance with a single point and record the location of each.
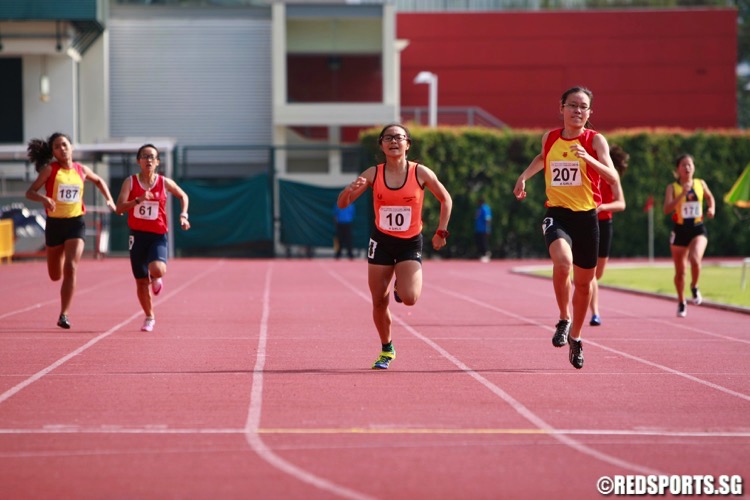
(566, 173)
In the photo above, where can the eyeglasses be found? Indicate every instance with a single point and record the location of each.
(148, 157)
(582, 107)
(397, 138)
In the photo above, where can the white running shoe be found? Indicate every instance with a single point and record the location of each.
(148, 325)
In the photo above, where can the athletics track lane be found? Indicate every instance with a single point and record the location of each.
(478, 403)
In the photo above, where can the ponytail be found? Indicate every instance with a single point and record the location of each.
(39, 152)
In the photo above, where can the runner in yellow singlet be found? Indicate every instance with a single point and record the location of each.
(689, 238)
(573, 158)
(63, 180)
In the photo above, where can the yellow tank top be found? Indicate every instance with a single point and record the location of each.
(690, 209)
(570, 182)
(65, 186)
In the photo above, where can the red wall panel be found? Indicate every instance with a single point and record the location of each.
(673, 68)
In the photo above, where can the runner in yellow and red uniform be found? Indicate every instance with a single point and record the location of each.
(689, 238)
(63, 181)
(144, 197)
(573, 158)
(396, 241)
(613, 200)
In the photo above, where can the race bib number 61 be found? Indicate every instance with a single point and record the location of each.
(147, 210)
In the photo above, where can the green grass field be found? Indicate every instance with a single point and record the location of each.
(718, 283)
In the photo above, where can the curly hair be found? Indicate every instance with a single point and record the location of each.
(39, 151)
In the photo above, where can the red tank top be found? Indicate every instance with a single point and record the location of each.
(607, 196)
(398, 210)
(149, 215)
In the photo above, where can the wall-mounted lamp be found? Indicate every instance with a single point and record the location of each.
(58, 37)
(44, 82)
(431, 80)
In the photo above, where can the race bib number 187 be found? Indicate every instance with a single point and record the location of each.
(68, 193)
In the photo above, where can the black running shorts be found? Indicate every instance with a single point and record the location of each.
(682, 235)
(579, 229)
(57, 230)
(387, 250)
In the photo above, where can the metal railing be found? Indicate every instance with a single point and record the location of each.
(450, 115)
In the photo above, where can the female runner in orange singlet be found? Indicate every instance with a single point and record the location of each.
(396, 241)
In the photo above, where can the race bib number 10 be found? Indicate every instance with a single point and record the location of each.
(394, 218)
(147, 210)
(68, 193)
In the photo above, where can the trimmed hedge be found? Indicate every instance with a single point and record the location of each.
(473, 162)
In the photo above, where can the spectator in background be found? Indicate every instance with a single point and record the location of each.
(344, 218)
(144, 197)
(63, 180)
(689, 238)
(482, 223)
(574, 158)
(613, 200)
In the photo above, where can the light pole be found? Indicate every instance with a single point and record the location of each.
(431, 80)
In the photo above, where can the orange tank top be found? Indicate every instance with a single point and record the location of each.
(398, 210)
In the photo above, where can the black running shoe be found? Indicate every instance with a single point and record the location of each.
(562, 329)
(697, 297)
(395, 293)
(63, 322)
(681, 309)
(575, 354)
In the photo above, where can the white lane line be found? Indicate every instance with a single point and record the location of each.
(546, 327)
(512, 402)
(41, 373)
(38, 305)
(252, 425)
(152, 431)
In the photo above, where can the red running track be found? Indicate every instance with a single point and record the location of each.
(256, 383)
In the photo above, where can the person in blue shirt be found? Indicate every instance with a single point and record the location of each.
(344, 217)
(482, 221)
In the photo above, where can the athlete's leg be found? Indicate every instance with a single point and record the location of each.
(679, 256)
(379, 279)
(409, 277)
(562, 264)
(55, 259)
(73, 251)
(601, 263)
(696, 249)
(582, 278)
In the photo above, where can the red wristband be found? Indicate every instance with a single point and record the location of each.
(443, 233)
